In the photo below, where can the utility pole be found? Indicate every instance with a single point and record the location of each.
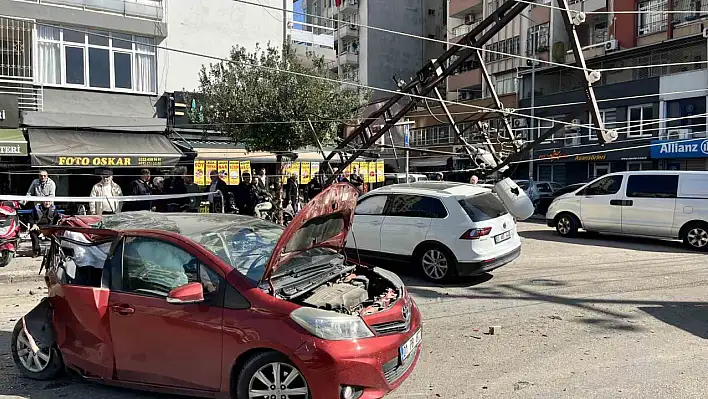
(406, 143)
(533, 109)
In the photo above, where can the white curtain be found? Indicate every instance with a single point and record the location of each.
(145, 65)
(49, 55)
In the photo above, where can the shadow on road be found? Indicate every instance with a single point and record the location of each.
(691, 317)
(607, 241)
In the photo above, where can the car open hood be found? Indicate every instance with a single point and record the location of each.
(323, 222)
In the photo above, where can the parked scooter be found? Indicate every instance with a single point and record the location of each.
(9, 231)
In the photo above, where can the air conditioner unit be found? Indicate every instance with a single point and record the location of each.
(519, 123)
(469, 19)
(612, 45)
(574, 126)
(571, 139)
(677, 134)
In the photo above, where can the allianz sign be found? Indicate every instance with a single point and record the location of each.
(696, 148)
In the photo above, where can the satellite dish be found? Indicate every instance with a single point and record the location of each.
(515, 200)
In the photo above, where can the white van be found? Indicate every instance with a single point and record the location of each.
(663, 204)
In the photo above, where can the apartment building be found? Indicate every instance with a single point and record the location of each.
(659, 111)
(82, 73)
(373, 57)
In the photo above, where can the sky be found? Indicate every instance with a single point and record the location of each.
(297, 7)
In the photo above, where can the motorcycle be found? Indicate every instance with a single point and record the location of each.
(9, 231)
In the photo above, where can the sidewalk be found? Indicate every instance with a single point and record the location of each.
(21, 269)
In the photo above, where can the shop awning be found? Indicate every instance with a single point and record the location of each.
(235, 154)
(12, 143)
(63, 148)
(429, 161)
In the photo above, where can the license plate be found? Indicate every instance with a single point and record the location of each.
(410, 346)
(502, 237)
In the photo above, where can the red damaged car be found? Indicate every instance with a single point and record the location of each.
(221, 305)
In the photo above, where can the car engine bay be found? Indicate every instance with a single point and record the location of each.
(360, 293)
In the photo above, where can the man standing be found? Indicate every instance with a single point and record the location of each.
(292, 193)
(141, 186)
(474, 179)
(106, 188)
(42, 187)
(42, 214)
(315, 186)
(262, 180)
(217, 185)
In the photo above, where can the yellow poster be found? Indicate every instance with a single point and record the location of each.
(364, 171)
(284, 172)
(223, 167)
(210, 167)
(314, 168)
(304, 173)
(246, 168)
(234, 173)
(380, 171)
(295, 169)
(372, 172)
(199, 172)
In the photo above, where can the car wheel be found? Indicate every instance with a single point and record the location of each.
(437, 263)
(696, 236)
(567, 225)
(5, 258)
(271, 375)
(44, 365)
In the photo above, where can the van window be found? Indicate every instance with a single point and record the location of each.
(606, 186)
(652, 186)
(483, 207)
(415, 206)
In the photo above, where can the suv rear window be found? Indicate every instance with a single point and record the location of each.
(483, 207)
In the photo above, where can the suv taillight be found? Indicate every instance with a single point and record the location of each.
(474, 234)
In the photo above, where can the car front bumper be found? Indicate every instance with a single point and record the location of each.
(370, 365)
(467, 269)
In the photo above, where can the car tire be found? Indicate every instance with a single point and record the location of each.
(47, 365)
(265, 363)
(567, 225)
(5, 257)
(436, 263)
(695, 236)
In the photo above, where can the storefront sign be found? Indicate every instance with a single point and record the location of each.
(591, 157)
(199, 172)
(131, 161)
(9, 112)
(696, 148)
(552, 155)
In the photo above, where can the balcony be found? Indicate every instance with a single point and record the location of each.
(587, 5)
(458, 8)
(592, 51)
(459, 31)
(308, 38)
(347, 7)
(348, 31)
(150, 9)
(689, 21)
(464, 79)
(349, 58)
(29, 96)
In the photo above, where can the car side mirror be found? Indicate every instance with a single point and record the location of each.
(188, 293)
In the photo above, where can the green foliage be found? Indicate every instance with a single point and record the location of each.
(241, 96)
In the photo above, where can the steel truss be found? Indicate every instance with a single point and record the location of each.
(435, 72)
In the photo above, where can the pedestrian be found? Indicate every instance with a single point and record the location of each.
(217, 185)
(140, 186)
(357, 180)
(439, 177)
(315, 186)
(261, 179)
(474, 179)
(44, 213)
(176, 185)
(292, 193)
(43, 186)
(106, 187)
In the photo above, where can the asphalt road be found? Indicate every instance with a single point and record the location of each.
(592, 317)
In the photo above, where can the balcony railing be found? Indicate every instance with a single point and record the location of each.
(464, 29)
(150, 9)
(29, 96)
(347, 6)
(315, 35)
(694, 8)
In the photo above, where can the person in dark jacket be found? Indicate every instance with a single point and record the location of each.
(248, 195)
(357, 181)
(140, 186)
(42, 214)
(176, 184)
(315, 186)
(292, 193)
(218, 185)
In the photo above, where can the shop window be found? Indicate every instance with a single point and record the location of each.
(96, 59)
(687, 114)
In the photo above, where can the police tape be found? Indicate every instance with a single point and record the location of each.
(127, 198)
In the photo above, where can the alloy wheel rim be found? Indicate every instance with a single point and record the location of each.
(34, 362)
(277, 381)
(435, 264)
(697, 237)
(564, 225)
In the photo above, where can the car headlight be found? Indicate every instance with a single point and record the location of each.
(330, 325)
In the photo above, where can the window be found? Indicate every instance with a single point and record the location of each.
(156, 267)
(639, 120)
(542, 126)
(639, 165)
(609, 119)
(599, 33)
(415, 206)
(688, 114)
(606, 186)
(371, 205)
(502, 49)
(537, 39)
(431, 11)
(96, 59)
(652, 17)
(652, 186)
(505, 83)
(483, 207)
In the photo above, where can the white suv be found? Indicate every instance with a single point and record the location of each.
(446, 228)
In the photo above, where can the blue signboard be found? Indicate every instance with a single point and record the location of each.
(696, 148)
(406, 136)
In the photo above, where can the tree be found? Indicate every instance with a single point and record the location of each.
(254, 100)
